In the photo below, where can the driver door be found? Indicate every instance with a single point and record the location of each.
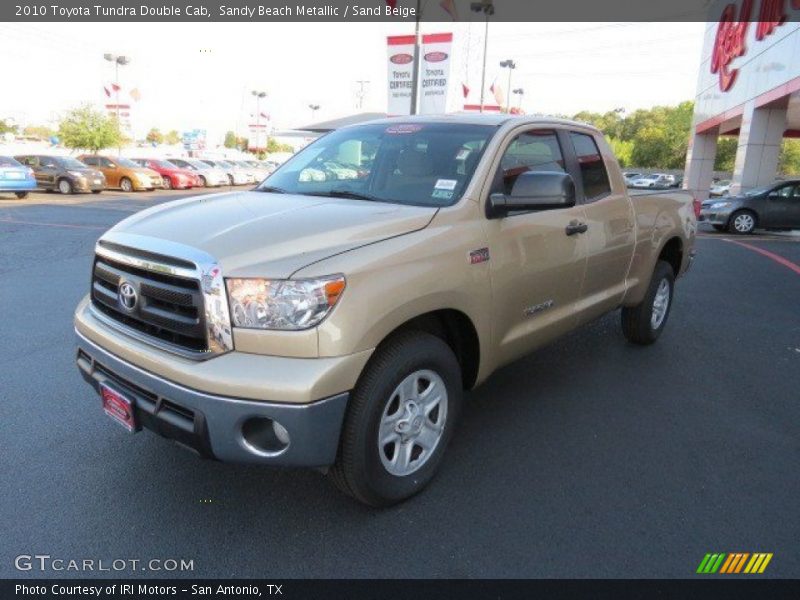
(537, 267)
(783, 207)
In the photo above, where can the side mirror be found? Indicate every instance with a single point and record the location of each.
(535, 190)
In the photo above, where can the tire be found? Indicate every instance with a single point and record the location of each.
(21, 195)
(167, 183)
(643, 323)
(203, 181)
(719, 227)
(97, 191)
(742, 222)
(230, 180)
(65, 186)
(377, 474)
(126, 185)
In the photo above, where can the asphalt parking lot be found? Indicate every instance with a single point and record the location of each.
(589, 458)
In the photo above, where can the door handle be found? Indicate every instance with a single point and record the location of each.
(575, 227)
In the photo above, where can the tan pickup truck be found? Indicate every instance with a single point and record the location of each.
(334, 316)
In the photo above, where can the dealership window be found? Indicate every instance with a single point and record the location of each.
(593, 169)
(536, 150)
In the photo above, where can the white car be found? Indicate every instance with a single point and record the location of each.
(720, 188)
(210, 176)
(236, 175)
(652, 181)
(630, 178)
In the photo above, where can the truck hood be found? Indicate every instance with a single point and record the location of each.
(259, 234)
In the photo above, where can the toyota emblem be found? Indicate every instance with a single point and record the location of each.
(127, 296)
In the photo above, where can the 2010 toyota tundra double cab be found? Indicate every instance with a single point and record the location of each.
(333, 316)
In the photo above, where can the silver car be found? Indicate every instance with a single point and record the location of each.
(211, 176)
(236, 175)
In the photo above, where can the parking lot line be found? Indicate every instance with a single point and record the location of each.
(771, 255)
(68, 225)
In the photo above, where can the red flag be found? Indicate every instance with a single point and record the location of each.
(465, 89)
(115, 87)
(105, 89)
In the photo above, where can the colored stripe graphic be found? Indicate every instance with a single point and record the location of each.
(733, 563)
(711, 563)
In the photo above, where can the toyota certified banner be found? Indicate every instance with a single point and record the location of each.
(434, 73)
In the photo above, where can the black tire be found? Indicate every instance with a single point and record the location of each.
(203, 181)
(637, 321)
(735, 225)
(167, 182)
(21, 195)
(126, 185)
(65, 186)
(230, 180)
(719, 227)
(359, 471)
(97, 191)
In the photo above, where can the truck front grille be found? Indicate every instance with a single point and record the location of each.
(164, 306)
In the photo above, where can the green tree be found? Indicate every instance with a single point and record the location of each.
(274, 146)
(172, 138)
(87, 129)
(6, 128)
(623, 150)
(40, 131)
(231, 141)
(726, 153)
(789, 161)
(154, 136)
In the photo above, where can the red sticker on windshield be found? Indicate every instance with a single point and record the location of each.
(403, 129)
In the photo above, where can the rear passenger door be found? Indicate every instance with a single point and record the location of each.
(782, 207)
(610, 218)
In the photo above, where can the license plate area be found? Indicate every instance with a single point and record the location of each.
(119, 407)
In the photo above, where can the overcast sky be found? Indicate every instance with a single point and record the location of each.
(197, 75)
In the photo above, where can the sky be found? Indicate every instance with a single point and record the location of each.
(200, 75)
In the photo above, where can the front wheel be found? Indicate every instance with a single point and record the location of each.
(21, 195)
(643, 323)
(167, 182)
(64, 186)
(400, 418)
(742, 222)
(203, 182)
(126, 185)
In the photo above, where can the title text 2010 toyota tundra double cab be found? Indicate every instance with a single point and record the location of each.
(333, 316)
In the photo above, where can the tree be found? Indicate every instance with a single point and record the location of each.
(40, 131)
(623, 150)
(231, 141)
(172, 138)
(789, 161)
(154, 136)
(726, 153)
(6, 128)
(87, 129)
(274, 146)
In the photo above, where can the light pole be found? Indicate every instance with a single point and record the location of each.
(314, 108)
(362, 83)
(520, 92)
(487, 8)
(258, 95)
(118, 61)
(510, 65)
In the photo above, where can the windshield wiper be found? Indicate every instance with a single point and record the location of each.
(345, 194)
(271, 189)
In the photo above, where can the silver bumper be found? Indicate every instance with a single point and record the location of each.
(228, 429)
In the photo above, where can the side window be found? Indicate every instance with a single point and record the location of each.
(104, 162)
(89, 160)
(593, 170)
(536, 150)
(48, 163)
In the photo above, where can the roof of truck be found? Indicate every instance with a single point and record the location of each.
(493, 119)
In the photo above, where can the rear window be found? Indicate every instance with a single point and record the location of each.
(593, 169)
(7, 161)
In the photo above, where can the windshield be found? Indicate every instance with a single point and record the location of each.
(126, 162)
(71, 163)
(424, 164)
(7, 161)
(163, 164)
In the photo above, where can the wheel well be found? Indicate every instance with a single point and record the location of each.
(672, 252)
(457, 330)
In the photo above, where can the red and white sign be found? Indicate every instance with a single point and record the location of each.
(434, 76)
(401, 73)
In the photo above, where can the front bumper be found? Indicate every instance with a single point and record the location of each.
(87, 185)
(714, 217)
(215, 426)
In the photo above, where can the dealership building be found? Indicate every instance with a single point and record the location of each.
(748, 87)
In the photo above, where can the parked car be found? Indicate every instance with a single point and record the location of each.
(720, 188)
(775, 206)
(123, 173)
(207, 175)
(652, 181)
(236, 175)
(263, 167)
(172, 176)
(335, 324)
(16, 177)
(256, 171)
(64, 173)
(630, 177)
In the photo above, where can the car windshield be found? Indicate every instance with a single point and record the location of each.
(163, 164)
(7, 161)
(423, 164)
(71, 163)
(126, 162)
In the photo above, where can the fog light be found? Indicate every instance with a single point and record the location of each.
(280, 433)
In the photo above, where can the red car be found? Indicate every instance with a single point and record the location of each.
(174, 177)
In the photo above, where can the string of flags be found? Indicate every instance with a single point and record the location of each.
(113, 88)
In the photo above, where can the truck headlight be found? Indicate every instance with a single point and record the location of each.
(287, 304)
(718, 205)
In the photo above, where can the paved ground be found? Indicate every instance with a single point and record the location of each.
(590, 458)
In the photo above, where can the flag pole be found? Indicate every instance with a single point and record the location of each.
(415, 73)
